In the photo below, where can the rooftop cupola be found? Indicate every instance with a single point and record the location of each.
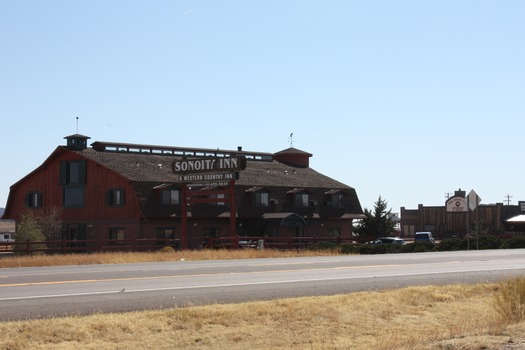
(77, 142)
(293, 157)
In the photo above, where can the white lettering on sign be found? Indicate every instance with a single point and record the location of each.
(205, 165)
(207, 177)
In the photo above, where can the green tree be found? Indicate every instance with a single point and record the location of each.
(377, 222)
(28, 230)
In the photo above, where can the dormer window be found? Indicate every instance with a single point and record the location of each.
(260, 196)
(336, 198)
(261, 199)
(170, 196)
(301, 199)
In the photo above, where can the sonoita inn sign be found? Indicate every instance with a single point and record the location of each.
(117, 191)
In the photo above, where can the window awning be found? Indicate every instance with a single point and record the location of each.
(162, 186)
(333, 191)
(254, 189)
(518, 219)
(296, 190)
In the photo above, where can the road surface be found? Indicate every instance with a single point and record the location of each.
(42, 292)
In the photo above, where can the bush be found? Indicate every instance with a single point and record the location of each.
(513, 243)
(449, 245)
(350, 248)
(509, 301)
(418, 247)
(28, 231)
(324, 246)
(166, 249)
(486, 242)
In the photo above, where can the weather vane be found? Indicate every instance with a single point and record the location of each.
(77, 125)
(290, 139)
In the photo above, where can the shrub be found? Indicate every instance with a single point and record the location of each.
(350, 248)
(514, 243)
(28, 231)
(486, 242)
(449, 245)
(509, 301)
(418, 247)
(324, 246)
(166, 249)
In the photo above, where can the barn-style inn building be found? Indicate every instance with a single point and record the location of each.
(119, 192)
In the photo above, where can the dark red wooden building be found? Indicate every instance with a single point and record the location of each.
(118, 191)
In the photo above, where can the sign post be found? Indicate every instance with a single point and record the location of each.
(472, 203)
(208, 172)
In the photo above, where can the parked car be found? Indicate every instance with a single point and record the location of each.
(424, 237)
(248, 243)
(388, 240)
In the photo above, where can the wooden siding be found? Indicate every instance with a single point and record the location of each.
(46, 180)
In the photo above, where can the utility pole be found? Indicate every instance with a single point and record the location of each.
(508, 199)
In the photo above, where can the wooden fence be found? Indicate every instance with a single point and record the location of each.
(136, 245)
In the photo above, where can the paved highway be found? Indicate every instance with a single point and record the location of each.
(65, 290)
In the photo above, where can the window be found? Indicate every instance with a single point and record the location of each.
(75, 234)
(116, 235)
(72, 178)
(115, 197)
(334, 232)
(337, 200)
(170, 196)
(261, 199)
(73, 196)
(301, 199)
(34, 200)
(73, 173)
(164, 234)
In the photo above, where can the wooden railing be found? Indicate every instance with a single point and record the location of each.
(151, 244)
(289, 242)
(80, 246)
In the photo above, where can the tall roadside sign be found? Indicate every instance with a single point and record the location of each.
(219, 173)
(473, 201)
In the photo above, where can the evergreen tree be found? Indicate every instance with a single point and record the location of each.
(377, 223)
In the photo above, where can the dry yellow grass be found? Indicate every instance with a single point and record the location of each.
(161, 256)
(442, 318)
(449, 317)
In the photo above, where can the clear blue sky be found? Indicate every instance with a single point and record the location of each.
(403, 99)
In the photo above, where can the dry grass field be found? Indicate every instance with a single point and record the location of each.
(159, 256)
(469, 317)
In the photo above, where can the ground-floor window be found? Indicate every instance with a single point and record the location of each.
(165, 236)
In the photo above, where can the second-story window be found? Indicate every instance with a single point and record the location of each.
(73, 179)
(261, 199)
(337, 200)
(170, 196)
(73, 172)
(115, 197)
(34, 200)
(301, 199)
